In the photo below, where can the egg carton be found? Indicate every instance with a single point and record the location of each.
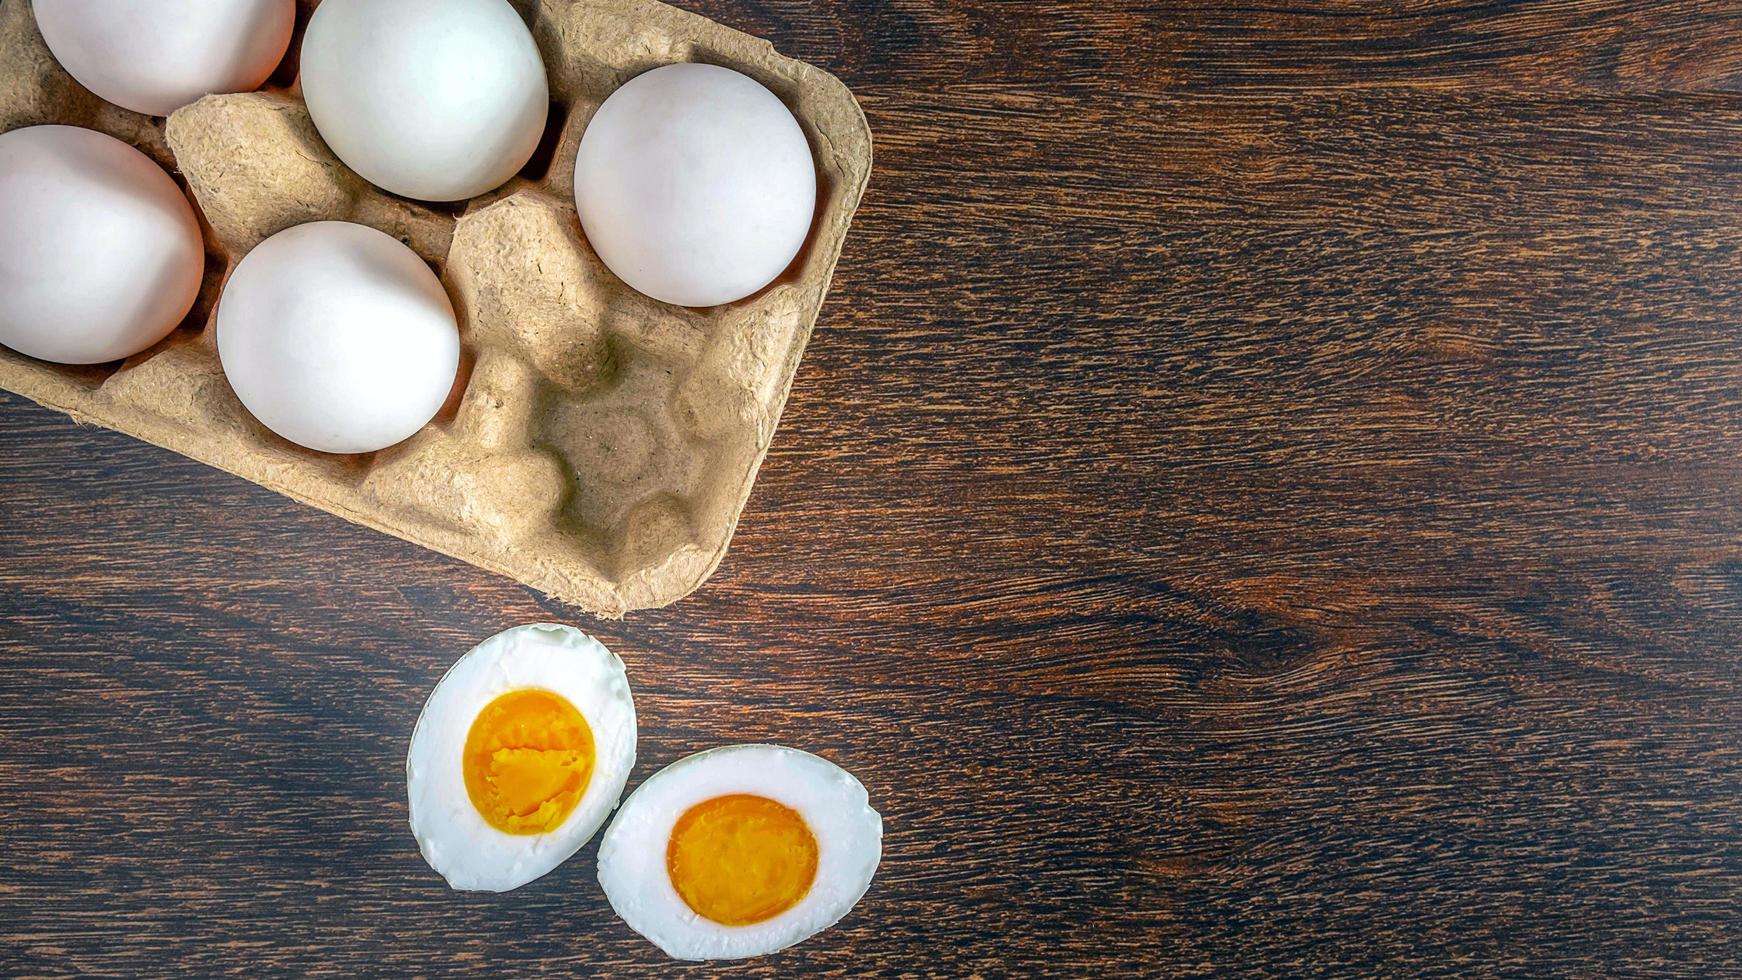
(598, 445)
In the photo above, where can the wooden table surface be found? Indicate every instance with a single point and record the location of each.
(1265, 495)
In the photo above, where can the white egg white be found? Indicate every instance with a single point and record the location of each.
(632, 855)
(454, 837)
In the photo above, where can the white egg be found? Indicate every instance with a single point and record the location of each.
(520, 754)
(155, 56)
(740, 851)
(338, 337)
(437, 100)
(695, 185)
(100, 253)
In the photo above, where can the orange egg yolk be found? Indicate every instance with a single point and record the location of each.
(527, 761)
(741, 859)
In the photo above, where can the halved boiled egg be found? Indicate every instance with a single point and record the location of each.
(740, 851)
(520, 754)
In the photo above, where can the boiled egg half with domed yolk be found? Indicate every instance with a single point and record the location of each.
(519, 756)
(740, 851)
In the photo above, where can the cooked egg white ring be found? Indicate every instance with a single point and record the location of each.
(632, 855)
(453, 835)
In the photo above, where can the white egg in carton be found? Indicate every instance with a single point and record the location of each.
(599, 445)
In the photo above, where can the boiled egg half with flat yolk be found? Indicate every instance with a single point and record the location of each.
(740, 851)
(520, 754)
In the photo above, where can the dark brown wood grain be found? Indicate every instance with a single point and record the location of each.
(1250, 521)
(1268, 45)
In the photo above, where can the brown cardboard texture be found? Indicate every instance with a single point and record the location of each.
(599, 445)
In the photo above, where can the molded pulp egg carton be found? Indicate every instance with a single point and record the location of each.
(599, 445)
